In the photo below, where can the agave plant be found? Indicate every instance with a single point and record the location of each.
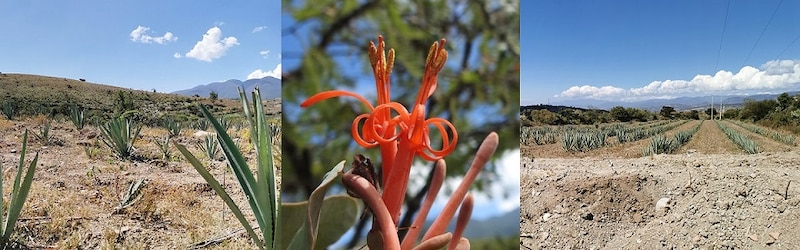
(209, 146)
(19, 194)
(173, 127)
(119, 134)
(10, 109)
(260, 187)
(77, 117)
(44, 135)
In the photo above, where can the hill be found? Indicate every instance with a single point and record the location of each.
(36, 94)
(552, 108)
(679, 103)
(270, 88)
(506, 224)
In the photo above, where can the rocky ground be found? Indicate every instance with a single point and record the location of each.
(708, 195)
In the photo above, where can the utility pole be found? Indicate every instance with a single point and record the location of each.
(712, 107)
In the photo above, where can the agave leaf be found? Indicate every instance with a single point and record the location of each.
(220, 192)
(242, 172)
(20, 192)
(266, 169)
(307, 236)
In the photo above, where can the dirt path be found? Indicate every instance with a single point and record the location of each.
(764, 143)
(710, 201)
(710, 140)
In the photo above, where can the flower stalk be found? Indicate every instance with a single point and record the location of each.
(401, 136)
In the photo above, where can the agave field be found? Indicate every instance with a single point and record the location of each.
(117, 183)
(654, 137)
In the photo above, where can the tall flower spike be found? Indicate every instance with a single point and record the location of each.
(415, 135)
(382, 69)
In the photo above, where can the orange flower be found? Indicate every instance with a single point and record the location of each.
(400, 134)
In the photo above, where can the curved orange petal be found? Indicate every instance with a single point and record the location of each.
(366, 143)
(448, 145)
(379, 129)
(324, 95)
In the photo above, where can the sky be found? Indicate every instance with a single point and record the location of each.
(145, 45)
(639, 50)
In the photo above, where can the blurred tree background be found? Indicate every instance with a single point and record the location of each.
(324, 47)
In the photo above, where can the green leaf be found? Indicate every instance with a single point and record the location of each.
(338, 214)
(20, 192)
(312, 235)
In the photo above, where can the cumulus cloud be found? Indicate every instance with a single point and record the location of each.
(259, 28)
(264, 53)
(772, 75)
(212, 46)
(140, 35)
(177, 55)
(258, 73)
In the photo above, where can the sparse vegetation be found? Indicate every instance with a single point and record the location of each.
(71, 204)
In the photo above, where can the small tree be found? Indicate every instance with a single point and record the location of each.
(213, 96)
(619, 113)
(668, 112)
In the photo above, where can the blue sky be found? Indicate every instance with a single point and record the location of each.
(638, 50)
(162, 45)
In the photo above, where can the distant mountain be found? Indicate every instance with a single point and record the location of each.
(680, 103)
(506, 224)
(270, 88)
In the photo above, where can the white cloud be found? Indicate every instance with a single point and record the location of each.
(212, 46)
(772, 75)
(259, 28)
(592, 91)
(258, 73)
(264, 53)
(140, 35)
(177, 55)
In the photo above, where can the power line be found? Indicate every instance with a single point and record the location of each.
(787, 47)
(724, 23)
(762, 33)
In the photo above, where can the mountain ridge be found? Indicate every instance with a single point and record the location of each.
(679, 103)
(270, 88)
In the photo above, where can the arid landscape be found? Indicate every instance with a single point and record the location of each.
(707, 194)
(83, 196)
